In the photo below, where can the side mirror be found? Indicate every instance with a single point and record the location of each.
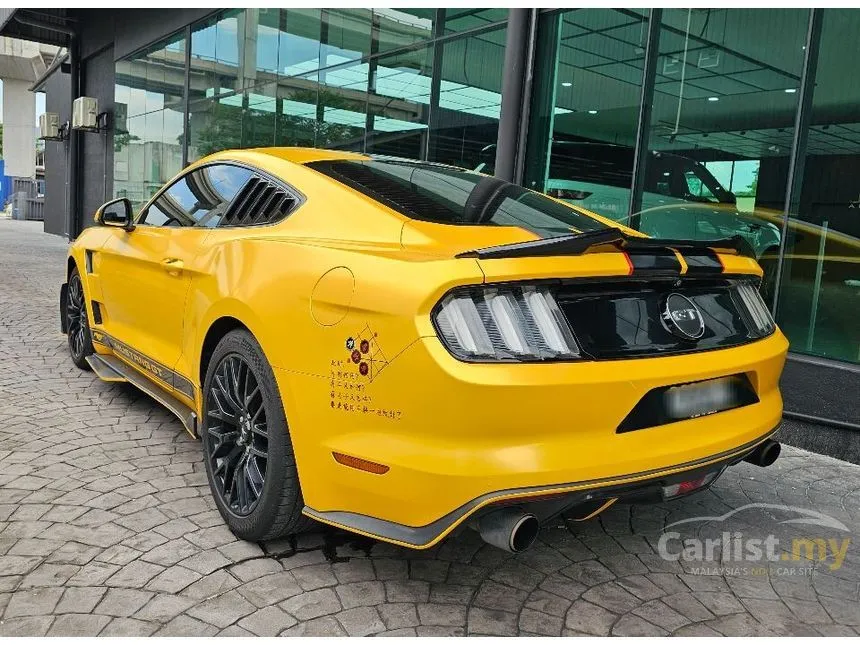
(117, 213)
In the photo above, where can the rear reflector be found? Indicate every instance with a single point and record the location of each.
(360, 464)
(682, 488)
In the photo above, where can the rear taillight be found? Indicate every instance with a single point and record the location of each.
(759, 318)
(519, 323)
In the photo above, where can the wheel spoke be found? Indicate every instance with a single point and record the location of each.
(242, 483)
(223, 387)
(259, 452)
(220, 411)
(236, 435)
(255, 477)
(250, 397)
(260, 429)
(230, 463)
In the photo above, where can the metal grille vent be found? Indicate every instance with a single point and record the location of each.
(259, 202)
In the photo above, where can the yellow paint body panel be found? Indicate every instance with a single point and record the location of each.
(343, 266)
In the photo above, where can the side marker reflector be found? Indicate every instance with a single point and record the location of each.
(360, 464)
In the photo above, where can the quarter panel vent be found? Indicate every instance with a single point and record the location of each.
(259, 202)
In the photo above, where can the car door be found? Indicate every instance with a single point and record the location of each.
(147, 273)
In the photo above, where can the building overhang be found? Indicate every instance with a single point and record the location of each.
(48, 26)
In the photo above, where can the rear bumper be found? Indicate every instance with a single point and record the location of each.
(636, 486)
(456, 436)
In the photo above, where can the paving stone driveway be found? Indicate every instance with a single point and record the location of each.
(107, 527)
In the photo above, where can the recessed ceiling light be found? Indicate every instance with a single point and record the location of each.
(592, 111)
(566, 84)
(713, 98)
(790, 90)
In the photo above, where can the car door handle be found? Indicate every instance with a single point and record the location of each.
(173, 266)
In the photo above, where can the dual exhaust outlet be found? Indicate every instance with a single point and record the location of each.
(514, 530)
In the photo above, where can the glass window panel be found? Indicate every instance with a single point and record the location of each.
(198, 198)
(466, 121)
(299, 41)
(347, 35)
(464, 19)
(266, 39)
(398, 28)
(341, 106)
(819, 297)
(259, 116)
(214, 125)
(585, 107)
(720, 137)
(215, 48)
(399, 106)
(148, 123)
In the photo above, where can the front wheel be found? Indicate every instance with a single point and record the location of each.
(77, 323)
(248, 453)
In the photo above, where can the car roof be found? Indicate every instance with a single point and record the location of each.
(295, 154)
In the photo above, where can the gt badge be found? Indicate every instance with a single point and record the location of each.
(683, 318)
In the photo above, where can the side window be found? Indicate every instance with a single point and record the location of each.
(697, 188)
(198, 198)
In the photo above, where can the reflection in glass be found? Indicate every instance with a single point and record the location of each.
(399, 104)
(466, 120)
(722, 114)
(819, 292)
(148, 119)
(585, 107)
(199, 198)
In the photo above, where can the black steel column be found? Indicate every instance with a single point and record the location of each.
(186, 98)
(73, 225)
(513, 82)
(802, 118)
(435, 86)
(528, 88)
(372, 64)
(643, 129)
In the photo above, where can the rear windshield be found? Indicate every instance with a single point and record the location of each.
(451, 196)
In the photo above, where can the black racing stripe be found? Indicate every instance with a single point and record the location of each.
(654, 262)
(148, 365)
(702, 261)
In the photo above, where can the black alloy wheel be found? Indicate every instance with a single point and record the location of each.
(247, 448)
(238, 446)
(77, 323)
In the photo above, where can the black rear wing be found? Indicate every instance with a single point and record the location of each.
(611, 239)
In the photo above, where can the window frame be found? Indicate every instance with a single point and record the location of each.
(299, 197)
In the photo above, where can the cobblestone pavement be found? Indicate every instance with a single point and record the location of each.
(107, 527)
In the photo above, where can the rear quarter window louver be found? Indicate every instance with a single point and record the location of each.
(259, 202)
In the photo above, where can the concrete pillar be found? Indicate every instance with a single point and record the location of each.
(248, 24)
(19, 129)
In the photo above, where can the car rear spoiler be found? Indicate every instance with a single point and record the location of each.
(579, 243)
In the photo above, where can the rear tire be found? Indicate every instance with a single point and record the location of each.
(248, 453)
(77, 323)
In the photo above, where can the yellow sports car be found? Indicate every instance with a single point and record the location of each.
(400, 348)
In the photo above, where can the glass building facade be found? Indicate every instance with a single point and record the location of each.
(685, 123)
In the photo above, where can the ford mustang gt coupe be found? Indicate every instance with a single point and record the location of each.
(403, 349)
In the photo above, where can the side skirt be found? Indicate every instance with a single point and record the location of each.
(113, 370)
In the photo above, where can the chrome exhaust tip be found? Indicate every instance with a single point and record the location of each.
(509, 529)
(765, 453)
